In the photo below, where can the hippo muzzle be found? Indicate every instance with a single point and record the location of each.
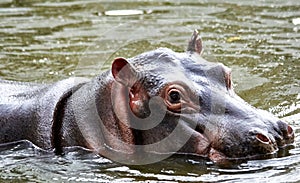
(242, 131)
(250, 131)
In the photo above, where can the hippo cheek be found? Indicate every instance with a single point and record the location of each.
(204, 147)
(201, 139)
(200, 145)
(197, 145)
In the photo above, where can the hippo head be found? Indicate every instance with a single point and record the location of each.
(179, 102)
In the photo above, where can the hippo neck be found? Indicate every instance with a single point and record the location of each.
(90, 115)
(112, 106)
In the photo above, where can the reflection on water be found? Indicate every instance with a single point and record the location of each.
(46, 41)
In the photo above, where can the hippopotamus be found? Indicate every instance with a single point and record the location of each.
(159, 102)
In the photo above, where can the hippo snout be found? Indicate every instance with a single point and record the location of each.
(238, 130)
(258, 141)
(269, 141)
(282, 135)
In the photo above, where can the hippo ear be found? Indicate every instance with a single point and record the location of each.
(195, 44)
(123, 72)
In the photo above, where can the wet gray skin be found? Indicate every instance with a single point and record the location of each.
(157, 102)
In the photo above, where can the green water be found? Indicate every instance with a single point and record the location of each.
(46, 41)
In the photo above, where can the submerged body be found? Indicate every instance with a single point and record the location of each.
(157, 102)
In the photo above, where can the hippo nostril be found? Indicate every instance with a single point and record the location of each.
(290, 130)
(286, 130)
(262, 138)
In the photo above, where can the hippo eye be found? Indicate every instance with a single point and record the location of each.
(174, 97)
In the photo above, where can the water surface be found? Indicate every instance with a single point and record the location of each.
(46, 41)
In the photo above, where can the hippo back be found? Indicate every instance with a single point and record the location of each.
(11, 91)
(27, 110)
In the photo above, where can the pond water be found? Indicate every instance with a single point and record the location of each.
(46, 41)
